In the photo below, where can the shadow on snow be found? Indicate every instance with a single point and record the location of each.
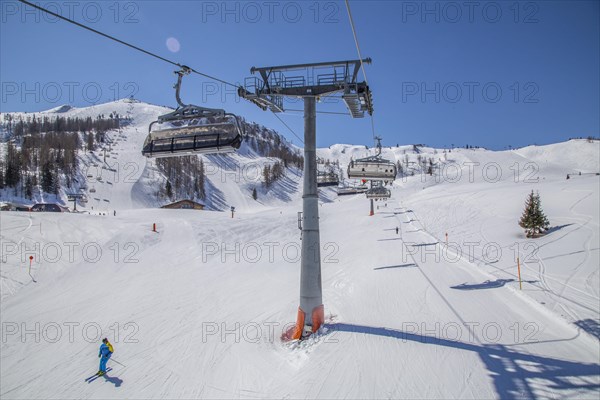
(514, 374)
(114, 380)
(590, 326)
(395, 266)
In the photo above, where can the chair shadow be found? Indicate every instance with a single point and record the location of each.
(484, 285)
(514, 374)
(590, 326)
(114, 380)
(423, 244)
(395, 266)
(487, 284)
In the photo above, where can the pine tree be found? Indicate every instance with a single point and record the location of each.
(533, 220)
(168, 190)
(540, 220)
(201, 181)
(267, 175)
(47, 178)
(28, 187)
(90, 141)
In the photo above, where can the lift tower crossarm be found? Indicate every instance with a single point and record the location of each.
(313, 79)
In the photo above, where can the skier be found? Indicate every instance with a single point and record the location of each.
(106, 350)
(396, 230)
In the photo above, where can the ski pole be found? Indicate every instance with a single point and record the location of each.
(117, 362)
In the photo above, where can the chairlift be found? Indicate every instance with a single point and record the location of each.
(352, 189)
(327, 173)
(192, 130)
(378, 192)
(325, 179)
(373, 168)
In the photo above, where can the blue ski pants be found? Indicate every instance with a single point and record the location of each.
(103, 361)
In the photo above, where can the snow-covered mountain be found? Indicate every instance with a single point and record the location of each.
(121, 178)
(422, 300)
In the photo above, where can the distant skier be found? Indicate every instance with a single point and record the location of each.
(106, 350)
(396, 230)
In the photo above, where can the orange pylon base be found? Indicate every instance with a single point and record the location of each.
(318, 317)
(295, 333)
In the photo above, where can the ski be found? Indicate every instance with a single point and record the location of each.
(96, 376)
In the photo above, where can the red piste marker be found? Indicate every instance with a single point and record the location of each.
(30, 261)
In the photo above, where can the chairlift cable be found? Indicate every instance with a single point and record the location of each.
(287, 126)
(123, 42)
(45, 10)
(362, 66)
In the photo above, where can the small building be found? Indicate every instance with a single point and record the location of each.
(7, 207)
(185, 204)
(13, 207)
(48, 207)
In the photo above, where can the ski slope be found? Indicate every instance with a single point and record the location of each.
(196, 309)
(199, 305)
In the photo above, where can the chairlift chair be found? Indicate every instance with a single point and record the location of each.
(352, 189)
(327, 179)
(378, 192)
(373, 168)
(327, 174)
(192, 129)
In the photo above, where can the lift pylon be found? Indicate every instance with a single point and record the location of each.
(309, 82)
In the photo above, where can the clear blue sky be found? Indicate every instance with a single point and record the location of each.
(437, 66)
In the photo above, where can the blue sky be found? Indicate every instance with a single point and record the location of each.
(482, 73)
